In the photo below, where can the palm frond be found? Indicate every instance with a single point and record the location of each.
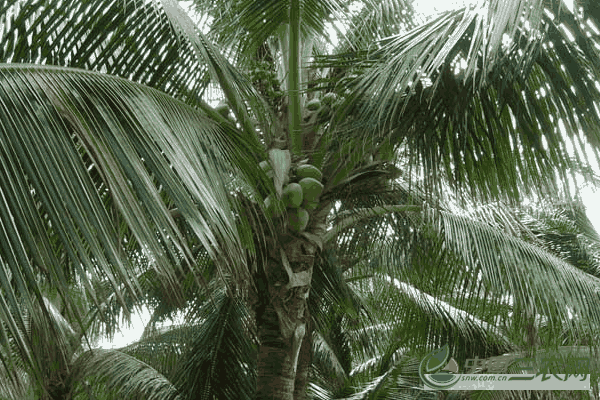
(164, 350)
(220, 362)
(537, 281)
(330, 291)
(118, 374)
(15, 385)
(327, 368)
(135, 139)
(368, 213)
(371, 189)
(526, 89)
(152, 43)
(50, 340)
(129, 39)
(245, 26)
(374, 21)
(475, 263)
(237, 88)
(566, 231)
(411, 317)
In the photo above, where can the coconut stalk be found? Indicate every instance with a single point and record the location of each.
(295, 114)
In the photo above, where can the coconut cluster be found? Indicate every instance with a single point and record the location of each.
(300, 194)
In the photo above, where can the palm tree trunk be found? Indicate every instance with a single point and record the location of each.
(283, 316)
(276, 360)
(304, 363)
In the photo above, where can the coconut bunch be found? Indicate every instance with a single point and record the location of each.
(322, 107)
(328, 100)
(299, 196)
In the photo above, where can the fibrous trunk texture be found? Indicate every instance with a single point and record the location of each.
(282, 320)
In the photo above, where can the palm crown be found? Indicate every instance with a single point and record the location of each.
(110, 153)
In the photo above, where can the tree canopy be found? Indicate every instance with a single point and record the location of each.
(119, 183)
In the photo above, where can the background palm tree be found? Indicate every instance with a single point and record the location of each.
(98, 170)
(65, 367)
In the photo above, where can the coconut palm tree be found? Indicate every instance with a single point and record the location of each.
(110, 152)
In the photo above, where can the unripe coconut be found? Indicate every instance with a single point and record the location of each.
(313, 105)
(309, 171)
(311, 189)
(329, 98)
(292, 195)
(298, 218)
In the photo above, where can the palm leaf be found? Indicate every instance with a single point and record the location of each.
(15, 385)
(129, 39)
(52, 342)
(247, 25)
(566, 231)
(326, 366)
(375, 21)
(473, 267)
(419, 311)
(495, 252)
(118, 374)
(153, 43)
(165, 349)
(220, 361)
(523, 104)
(136, 138)
(236, 87)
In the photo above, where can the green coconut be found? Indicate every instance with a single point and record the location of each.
(308, 171)
(313, 105)
(292, 195)
(311, 189)
(298, 218)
